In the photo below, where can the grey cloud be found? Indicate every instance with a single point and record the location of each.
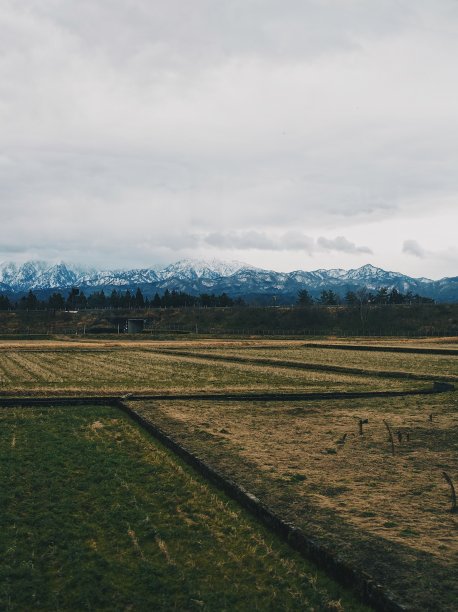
(12, 248)
(289, 241)
(241, 240)
(177, 32)
(411, 247)
(227, 124)
(341, 244)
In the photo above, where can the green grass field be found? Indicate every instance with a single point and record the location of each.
(95, 515)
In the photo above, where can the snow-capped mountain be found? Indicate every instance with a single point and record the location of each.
(41, 275)
(201, 268)
(119, 278)
(215, 276)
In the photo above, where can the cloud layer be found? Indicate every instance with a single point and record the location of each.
(300, 134)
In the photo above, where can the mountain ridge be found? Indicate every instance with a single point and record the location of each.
(217, 276)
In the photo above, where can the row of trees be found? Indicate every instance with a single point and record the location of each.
(362, 296)
(77, 300)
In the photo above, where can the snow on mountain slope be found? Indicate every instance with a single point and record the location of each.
(233, 277)
(202, 268)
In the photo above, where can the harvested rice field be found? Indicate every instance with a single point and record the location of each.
(62, 369)
(440, 366)
(325, 465)
(429, 365)
(96, 515)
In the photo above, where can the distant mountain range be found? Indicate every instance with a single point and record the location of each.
(214, 276)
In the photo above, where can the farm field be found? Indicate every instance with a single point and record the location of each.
(417, 364)
(385, 514)
(389, 515)
(64, 369)
(96, 515)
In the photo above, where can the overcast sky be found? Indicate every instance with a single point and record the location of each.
(290, 134)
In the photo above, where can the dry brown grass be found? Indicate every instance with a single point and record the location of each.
(108, 369)
(309, 462)
(424, 364)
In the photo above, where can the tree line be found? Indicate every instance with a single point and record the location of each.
(77, 300)
(362, 296)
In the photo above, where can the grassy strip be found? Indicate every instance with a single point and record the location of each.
(96, 515)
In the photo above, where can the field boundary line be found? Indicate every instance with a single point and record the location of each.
(367, 588)
(8, 401)
(382, 349)
(317, 367)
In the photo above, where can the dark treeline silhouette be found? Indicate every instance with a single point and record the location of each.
(77, 300)
(362, 296)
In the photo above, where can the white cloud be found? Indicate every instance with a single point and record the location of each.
(203, 127)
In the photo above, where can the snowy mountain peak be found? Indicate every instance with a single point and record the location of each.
(202, 268)
(370, 272)
(333, 273)
(233, 277)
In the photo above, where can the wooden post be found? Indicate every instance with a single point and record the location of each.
(361, 423)
(452, 491)
(390, 434)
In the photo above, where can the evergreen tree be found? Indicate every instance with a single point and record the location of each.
(97, 300)
(165, 302)
(395, 297)
(56, 302)
(351, 298)
(139, 299)
(5, 303)
(329, 298)
(156, 303)
(30, 302)
(72, 299)
(304, 298)
(382, 296)
(114, 300)
(82, 300)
